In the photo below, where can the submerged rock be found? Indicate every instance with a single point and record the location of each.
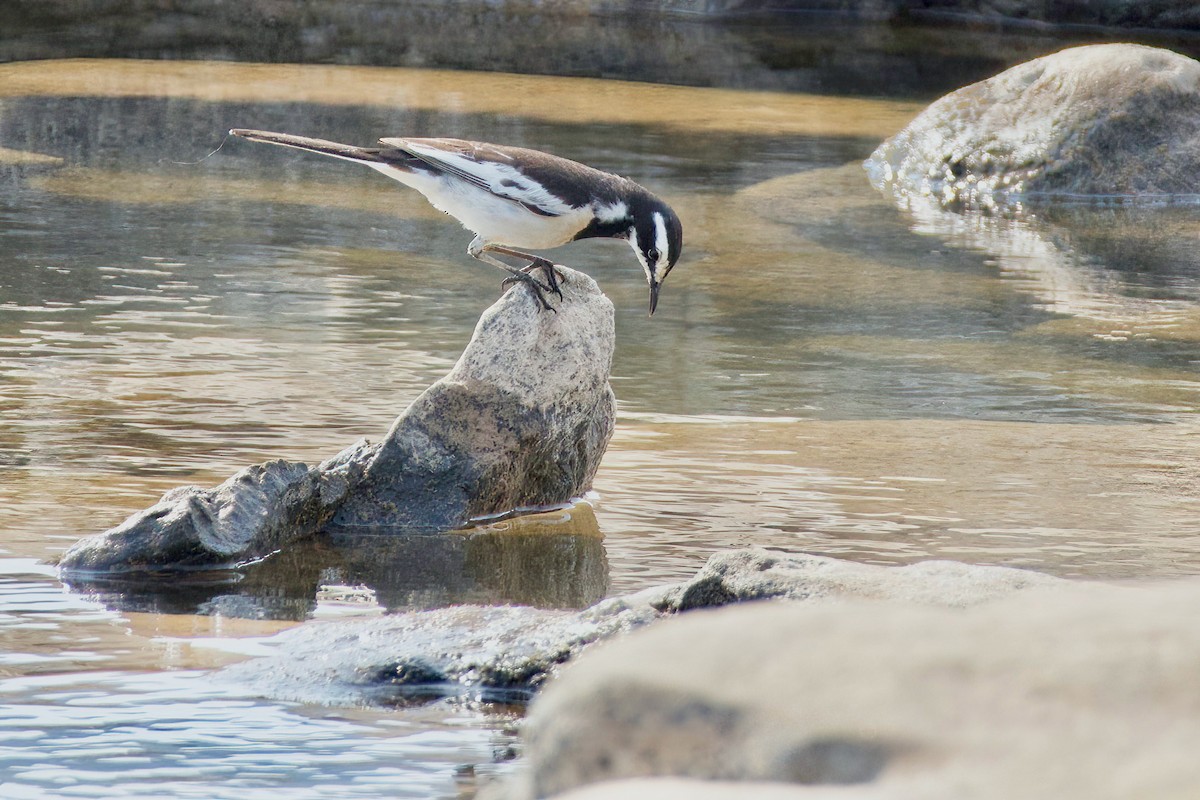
(507, 653)
(1084, 691)
(520, 422)
(1100, 120)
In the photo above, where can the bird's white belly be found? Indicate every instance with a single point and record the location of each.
(496, 220)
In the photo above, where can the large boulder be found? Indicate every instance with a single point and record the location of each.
(1083, 691)
(1095, 121)
(520, 422)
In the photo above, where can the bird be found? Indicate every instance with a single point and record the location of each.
(516, 197)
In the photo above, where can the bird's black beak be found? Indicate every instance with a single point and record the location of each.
(653, 296)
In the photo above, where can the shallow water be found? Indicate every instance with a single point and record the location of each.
(827, 373)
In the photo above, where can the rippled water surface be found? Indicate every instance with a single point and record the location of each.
(827, 373)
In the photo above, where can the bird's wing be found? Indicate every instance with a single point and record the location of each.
(488, 167)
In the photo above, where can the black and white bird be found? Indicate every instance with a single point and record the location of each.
(513, 197)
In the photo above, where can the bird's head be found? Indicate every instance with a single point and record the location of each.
(657, 238)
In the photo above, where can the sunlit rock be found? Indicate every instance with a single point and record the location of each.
(520, 422)
(758, 575)
(506, 653)
(254, 513)
(1080, 691)
(1100, 120)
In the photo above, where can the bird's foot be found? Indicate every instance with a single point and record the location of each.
(553, 276)
(537, 287)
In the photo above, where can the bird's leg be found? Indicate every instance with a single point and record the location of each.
(476, 250)
(535, 262)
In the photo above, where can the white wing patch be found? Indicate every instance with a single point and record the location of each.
(616, 211)
(502, 180)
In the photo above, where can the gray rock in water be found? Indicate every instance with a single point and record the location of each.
(520, 422)
(506, 653)
(744, 575)
(256, 512)
(1084, 692)
(1100, 120)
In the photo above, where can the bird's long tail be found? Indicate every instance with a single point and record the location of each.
(349, 152)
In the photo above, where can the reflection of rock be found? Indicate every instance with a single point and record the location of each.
(1122, 266)
(507, 652)
(520, 422)
(1098, 120)
(548, 560)
(551, 560)
(1081, 692)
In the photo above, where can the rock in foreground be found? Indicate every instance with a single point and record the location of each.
(1084, 691)
(506, 653)
(1094, 121)
(521, 421)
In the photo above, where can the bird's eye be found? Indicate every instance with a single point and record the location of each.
(653, 254)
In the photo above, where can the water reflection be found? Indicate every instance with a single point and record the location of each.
(553, 560)
(1117, 263)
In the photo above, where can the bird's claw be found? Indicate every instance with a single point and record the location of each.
(537, 287)
(553, 276)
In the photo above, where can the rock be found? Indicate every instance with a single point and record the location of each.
(1080, 691)
(494, 653)
(1095, 121)
(520, 422)
(552, 560)
(684, 789)
(259, 510)
(507, 653)
(759, 575)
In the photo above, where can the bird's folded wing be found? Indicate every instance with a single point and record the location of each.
(499, 178)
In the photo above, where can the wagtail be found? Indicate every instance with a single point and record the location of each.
(512, 197)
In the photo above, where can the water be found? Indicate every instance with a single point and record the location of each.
(826, 373)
